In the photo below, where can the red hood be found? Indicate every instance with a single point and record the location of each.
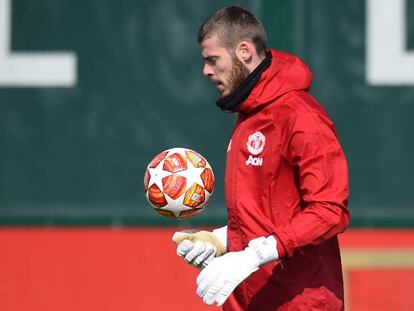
(286, 73)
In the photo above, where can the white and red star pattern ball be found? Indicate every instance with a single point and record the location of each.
(178, 183)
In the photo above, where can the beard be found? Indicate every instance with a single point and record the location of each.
(238, 74)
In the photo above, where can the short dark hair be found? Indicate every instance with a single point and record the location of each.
(232, 25)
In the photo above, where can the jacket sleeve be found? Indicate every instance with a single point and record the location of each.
(321, 171)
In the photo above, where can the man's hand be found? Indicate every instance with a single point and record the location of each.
(199, 254)
(219, 279)
(199, 248)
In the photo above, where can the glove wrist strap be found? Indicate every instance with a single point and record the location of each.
(264, 249)
(221, 235)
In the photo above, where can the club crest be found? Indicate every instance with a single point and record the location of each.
(256, 143)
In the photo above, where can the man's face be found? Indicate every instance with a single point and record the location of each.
(224, 70)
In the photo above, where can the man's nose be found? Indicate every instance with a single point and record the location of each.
(207, 71)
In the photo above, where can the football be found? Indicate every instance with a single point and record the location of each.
(178, 183)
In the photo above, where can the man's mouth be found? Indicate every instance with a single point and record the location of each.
(220, 86)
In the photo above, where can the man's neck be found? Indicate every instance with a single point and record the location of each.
(256, 60)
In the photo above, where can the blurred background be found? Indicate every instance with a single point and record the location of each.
(91, 91)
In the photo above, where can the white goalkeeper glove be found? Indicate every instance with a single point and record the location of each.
(219, 279)
(199, 248)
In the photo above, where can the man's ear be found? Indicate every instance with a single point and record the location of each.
(244, 51)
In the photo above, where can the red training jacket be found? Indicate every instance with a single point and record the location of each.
(287, 176)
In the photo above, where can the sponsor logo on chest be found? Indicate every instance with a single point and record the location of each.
(255, 161)
(255, 145)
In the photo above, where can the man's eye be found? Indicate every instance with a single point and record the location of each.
(212, 61)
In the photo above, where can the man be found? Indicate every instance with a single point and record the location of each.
(286, 182)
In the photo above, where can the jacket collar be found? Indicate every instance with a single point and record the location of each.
(269, 81)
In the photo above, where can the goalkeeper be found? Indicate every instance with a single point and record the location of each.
(286, 181)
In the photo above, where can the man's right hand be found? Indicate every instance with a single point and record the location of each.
(199, 248)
